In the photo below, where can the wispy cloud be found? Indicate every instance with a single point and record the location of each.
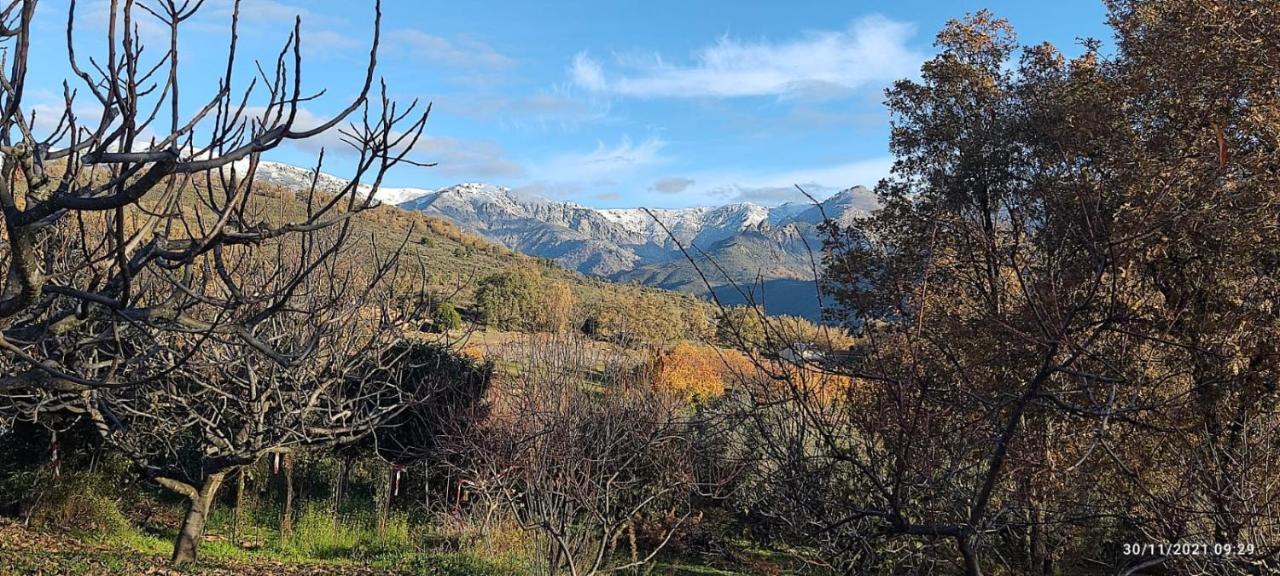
(270, 11)
(327, 43)
(778, 187)
(595, 175)
(463, 52)
(820, 64)
(605, 162)
(543, 110)
(468, 158)
(773, 195)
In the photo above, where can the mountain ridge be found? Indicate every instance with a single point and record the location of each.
(736, 246)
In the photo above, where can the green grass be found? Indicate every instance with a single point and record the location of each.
(315, 543)
(138, 541)
(88, 525)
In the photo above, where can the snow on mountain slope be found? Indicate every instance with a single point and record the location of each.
(748, 242)
(704, 225)
(296, 178)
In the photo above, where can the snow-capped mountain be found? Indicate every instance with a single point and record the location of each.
(742, 243)
(296, 178)
(747, 242)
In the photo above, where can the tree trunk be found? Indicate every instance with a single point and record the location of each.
(426, 487)
(286, 519)
(235, 514)
(343, 466)
(192, 531)
(969, 556)
(384, 505)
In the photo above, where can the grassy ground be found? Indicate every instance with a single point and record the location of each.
(25, 551)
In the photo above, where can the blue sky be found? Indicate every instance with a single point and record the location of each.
(606, 103)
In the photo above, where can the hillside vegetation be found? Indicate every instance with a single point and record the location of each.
(448, 264)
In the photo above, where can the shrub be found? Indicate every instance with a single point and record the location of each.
(630, 317)
(693, 371)
(556, 309)
(590, 326)
(507, 300)
(447, 317)
(80, 501)
(741, 327)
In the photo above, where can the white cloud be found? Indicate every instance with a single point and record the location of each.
(778, 187)
(454, 157)
(588, 73)
(272, 14)
(460, 51)
(605, 162)
(467, 158)
(330, 43)
(871, 49)
(543, 110)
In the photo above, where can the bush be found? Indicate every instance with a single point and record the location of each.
(696, 372)
(741, 327)
(460, 564)
(447, 317)
(84, 498)
(508, 299)
(590, 327)
(632, 317)
(79, 503)
(556, 307)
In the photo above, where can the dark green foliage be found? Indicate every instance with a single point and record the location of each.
(507, 299)
(449, 389)
(447, 317)
(590, 326)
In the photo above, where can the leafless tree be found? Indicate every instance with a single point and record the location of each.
(225, 409)
(199, 319)
(578, 467)
(119, 223)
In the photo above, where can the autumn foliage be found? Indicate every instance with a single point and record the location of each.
(704, 372)
(695, 371)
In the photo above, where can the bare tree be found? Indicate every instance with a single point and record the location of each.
(227, 407)
(153, 287)
(119, 222)
(580, 468)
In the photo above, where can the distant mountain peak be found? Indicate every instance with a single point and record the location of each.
(297, 178)
(749, 242)
(477, 188)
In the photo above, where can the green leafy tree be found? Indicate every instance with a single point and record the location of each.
(1067, 304)
(447, 317)
(508, 299)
